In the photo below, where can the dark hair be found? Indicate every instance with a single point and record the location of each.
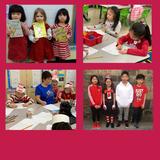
(140, 76)
(61, 126)
(64, 12)
(17, 8)
(116, 16)
(125, 72)
(112, 85)
(45, 75)
(42, 12)
(139, 29)
(65, 108)
(93, 77)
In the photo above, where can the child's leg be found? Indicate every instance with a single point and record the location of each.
(98, 117)
(126, 115)
(93, 114)
(139, 115)
(120, 114)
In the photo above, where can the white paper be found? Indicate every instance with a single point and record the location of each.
(90, 51)
(51, 107)
(8, 111)
(112, 49)
(29, 124)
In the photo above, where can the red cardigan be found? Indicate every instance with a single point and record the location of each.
(95, 95)
(141, 47)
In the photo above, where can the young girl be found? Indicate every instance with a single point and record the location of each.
(112, 22)
(140, 92)
(139, 38)
(41, 48)
(95, 97)
(109, 101)
(17, 46)
(19, 97)
(61, 44)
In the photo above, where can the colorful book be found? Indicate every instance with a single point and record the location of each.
(60, 34)
(39, 30)
(15, 28)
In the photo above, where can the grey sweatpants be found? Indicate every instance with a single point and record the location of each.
(126, 113)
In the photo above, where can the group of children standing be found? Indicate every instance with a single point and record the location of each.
(41, 49)
(122, 97)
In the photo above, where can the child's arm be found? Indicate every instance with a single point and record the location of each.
(25, 28)
(145, 95)
(131, 95)
(69, 33)
(49, 34)
(43, 103)
(117, 97)
(116, 32)
(31, 36)
(139, 52)
(29, 101)
(11, 102)
(104, 106)
(90, 96)
(114, 101)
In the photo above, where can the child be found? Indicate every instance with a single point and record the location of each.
(109, 101)
(139, 38)
(41, 48)
(17, 46)
(55, 89)
(68, 94)
(61, 43)
(140, 92)
(95, 97)
(124, 97)
(19, 97)
(112, 22)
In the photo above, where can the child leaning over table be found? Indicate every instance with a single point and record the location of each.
(19, 96)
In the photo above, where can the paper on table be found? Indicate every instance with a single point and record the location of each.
(8, 111)
(51, 107)
(112, 49)
(90, 51)
(29, 124)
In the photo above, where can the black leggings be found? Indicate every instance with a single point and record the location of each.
(95, 114)
(137, 114)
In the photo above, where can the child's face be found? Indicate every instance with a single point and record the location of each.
(124, 78)
(62, 18)
(16, 15)
(54, 84)
(140, 81)
(18, 94)
(39, 17)
(67, 90)
(110, 15)
(131, 34)
(94, 80)
(47, 81)
(108, 83)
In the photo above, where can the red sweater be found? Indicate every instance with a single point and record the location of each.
(141, 47)
(95, 94)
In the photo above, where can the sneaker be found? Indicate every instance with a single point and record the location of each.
(107, 124)
(98, 125)
(136, 125)
(94, 125)
(112, 125)
(126, 124)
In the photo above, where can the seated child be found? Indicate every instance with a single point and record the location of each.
(55, 89)
(138, 38)
(19, 97)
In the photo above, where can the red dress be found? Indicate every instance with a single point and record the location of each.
(17, 48)
(42, 49)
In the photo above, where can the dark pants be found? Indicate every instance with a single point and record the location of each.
(137, 114)
(95, 114)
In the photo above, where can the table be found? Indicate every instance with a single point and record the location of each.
(102, 56)
(21, 114)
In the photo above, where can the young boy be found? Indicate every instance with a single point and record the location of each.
(140, 92)
(124, 97)
(19, 97)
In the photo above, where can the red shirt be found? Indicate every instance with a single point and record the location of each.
(95, 94)
(67, 96)
(141, 47)
(139, 93)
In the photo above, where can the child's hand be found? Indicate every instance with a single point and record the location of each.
(97, 106)
(49, 37)
(113, 106)
(119, 46)
(124, 51)
(25, 105)
(104, 107)
(35, 40)
(43, 103)
(142, 106)
(13, 105)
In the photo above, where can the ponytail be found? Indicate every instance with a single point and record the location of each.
(148, 34)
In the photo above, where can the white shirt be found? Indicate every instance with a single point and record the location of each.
(108, 26)
(124, 94)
